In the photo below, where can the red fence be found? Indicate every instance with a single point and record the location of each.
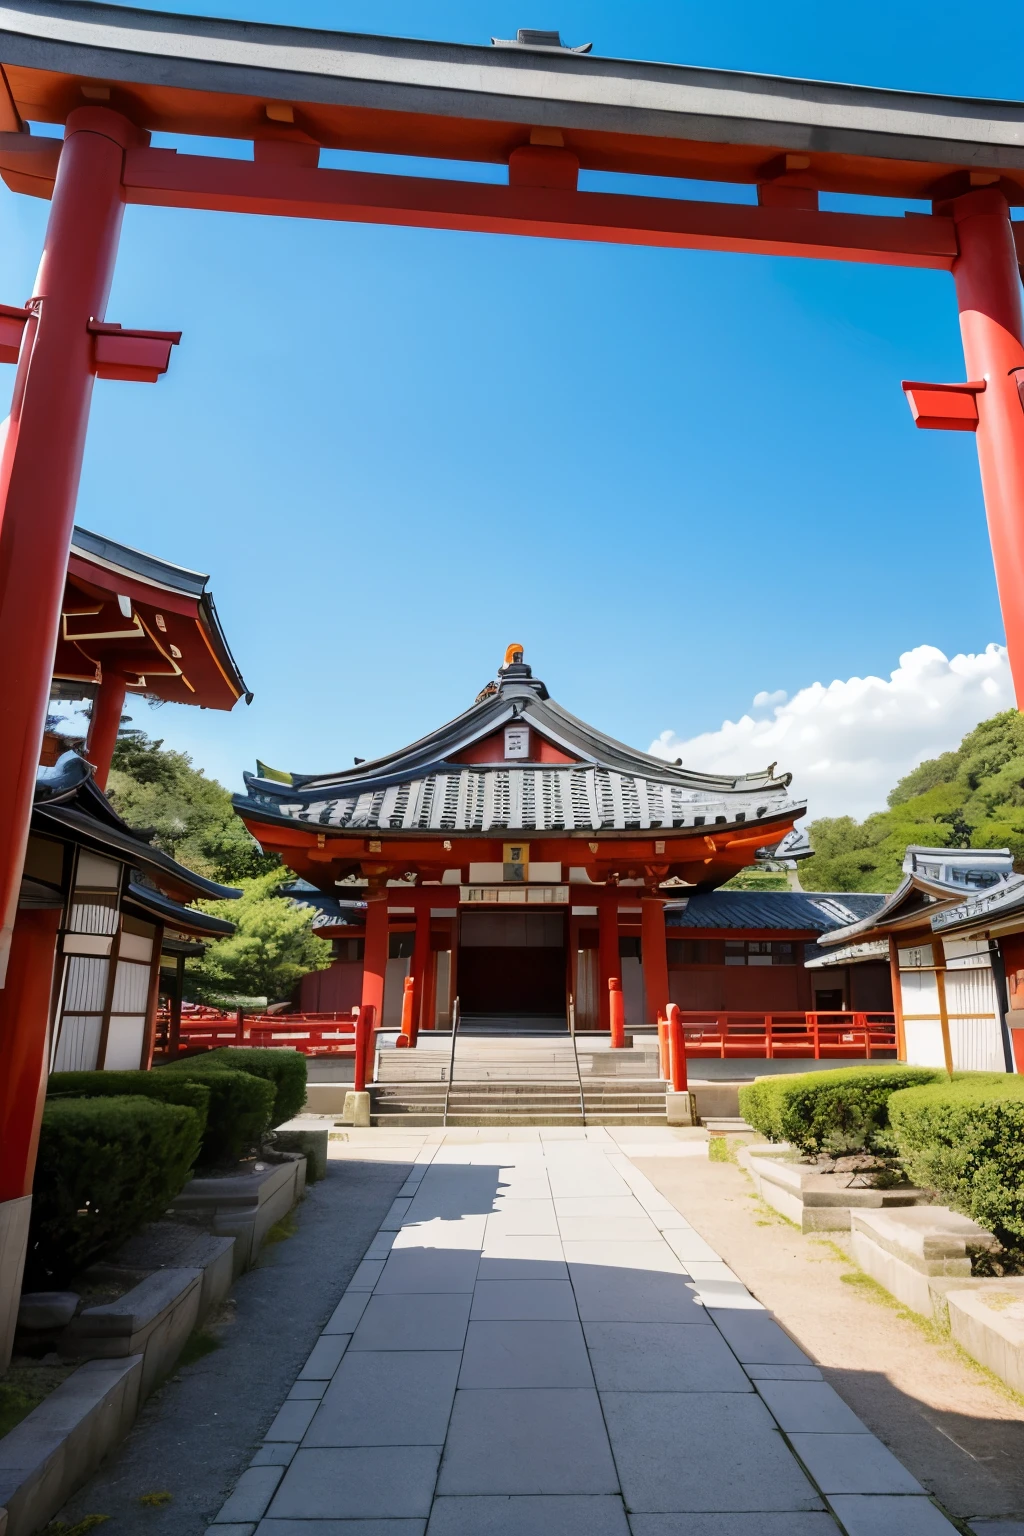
(709, 1034)
(772, 1036)
(314, 1034)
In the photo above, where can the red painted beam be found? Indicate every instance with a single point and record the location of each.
(165, 179)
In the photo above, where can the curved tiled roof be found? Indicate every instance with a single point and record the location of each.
(818, 911)
(606, 787)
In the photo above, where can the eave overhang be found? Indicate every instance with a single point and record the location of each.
(152, 622)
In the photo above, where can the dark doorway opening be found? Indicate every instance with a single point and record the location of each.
(512, 964)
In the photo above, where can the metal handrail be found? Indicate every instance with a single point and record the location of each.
(579, 1078)
(456, 1020)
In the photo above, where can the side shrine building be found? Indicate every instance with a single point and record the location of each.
(517, 859)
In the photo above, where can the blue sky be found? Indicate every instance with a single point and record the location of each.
(678, 478)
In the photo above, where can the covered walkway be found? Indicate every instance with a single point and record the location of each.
(537, 1341)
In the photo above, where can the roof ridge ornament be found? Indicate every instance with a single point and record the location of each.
(515, 677)
(541, 39)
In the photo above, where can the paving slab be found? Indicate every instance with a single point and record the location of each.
(514, 1442)
(525, 1354)
(436, 1321)
(523, 1300)
(756, 1339)
(339, 1528)
(523, 1258)
(911, 1515)
(387, 1397)
(662, 1357)
(634, 1296)
(568, 1515)
(736, 1460)
(853, 1464)
(764, 1524)
(357, 1483)
(809, 1407)
(420, 1270)
(348, 1312)
(654, 1255)
(523, 1218)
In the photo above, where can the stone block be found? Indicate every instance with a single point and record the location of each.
(356, 1109)
(717, 1101)
(326, 1098)
(153, 1320)
(253, 1492)
(60, 1444)
(918, 1254)
(817, 1202)
(988, 1321)
(47, 1309)
(931, 1238)
(244, 1206)
(680, 1108)
(310, 1141)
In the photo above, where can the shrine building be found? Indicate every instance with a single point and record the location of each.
(518, 859)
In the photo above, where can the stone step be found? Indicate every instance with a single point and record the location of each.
(503, 1119)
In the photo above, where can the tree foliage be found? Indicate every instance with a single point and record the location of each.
(273, 947)
(970, 798)
(154, 787)
(191, 815)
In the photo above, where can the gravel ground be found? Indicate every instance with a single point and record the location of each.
(196, 1434)
(952, 1426)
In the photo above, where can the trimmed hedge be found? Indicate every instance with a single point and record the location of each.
(241, 1106)
(965, 1139)
(106, 1166)
(832, 1111)
(285, 1069)
(147, 1085)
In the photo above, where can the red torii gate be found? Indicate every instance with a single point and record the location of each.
(112, 76)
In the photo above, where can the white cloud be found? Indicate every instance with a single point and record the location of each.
(763, 699)
(846, 745)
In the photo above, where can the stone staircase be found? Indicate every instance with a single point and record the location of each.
(515, 1080)
(507, 1078)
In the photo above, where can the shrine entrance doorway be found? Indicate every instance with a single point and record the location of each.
(512, 969)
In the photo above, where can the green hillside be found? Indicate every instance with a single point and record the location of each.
(970, 798)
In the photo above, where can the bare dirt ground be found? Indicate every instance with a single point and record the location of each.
(951, 1424)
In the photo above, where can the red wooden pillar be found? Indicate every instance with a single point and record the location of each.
(104, 725)
(24, 1035)
(420, 969)
(988, 293)
(608, 963)
(375, 957)
(654, 952)
(42, 457)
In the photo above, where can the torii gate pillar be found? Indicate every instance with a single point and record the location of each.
(988, 291)
(42, 457)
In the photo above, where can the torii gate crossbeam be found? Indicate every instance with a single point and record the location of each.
(113, 76)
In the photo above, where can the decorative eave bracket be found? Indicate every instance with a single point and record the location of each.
(134, 356)
(944, 407)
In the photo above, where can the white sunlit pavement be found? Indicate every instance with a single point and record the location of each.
(537, 1341)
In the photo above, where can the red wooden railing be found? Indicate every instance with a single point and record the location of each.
(314, 1034)
(707, 1033)
(773, 1036)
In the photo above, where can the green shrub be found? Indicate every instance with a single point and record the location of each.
(241, 1106)
(106, 1166)
(149, 1085)
(759, 1106)
(285, 1069)
(834, 1111)
(965, 1140)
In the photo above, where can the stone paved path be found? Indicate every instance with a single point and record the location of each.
(537, 1342)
